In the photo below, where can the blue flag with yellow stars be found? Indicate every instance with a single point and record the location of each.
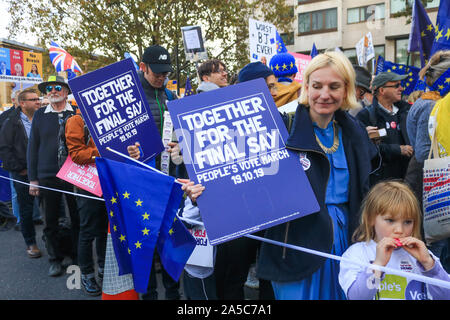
(314, 51)
(422, 33)
(188, 88)
(380, 65)
(280, 44)
(442, 39)
(442, 84)
(409, 83)
(139, 202)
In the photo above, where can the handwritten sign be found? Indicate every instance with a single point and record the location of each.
(262, 37)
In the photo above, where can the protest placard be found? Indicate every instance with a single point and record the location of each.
(81, 176)
(365, 50)
(262, 37)
(233, 143)
(301, 61)
(194, 47)
(116, 111)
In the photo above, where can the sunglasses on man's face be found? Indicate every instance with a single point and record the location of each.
(396, 86)
(56, 87)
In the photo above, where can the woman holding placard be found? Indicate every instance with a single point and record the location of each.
(336, 154)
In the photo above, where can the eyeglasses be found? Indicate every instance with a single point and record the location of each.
(34, 99)
(396, 86)
(161, 75)
(272, 87)
(56, 87)
(222, 71)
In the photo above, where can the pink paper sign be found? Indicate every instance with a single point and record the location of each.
(301, 61)
(82, 176)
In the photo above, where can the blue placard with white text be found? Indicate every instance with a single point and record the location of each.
(116, 111)
(233, 143)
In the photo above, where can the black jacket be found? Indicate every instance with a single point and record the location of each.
(394, 164)
(42, 152)
(315, 231)
(156, 99)
(13, 143)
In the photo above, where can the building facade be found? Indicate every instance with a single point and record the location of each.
(331, 24)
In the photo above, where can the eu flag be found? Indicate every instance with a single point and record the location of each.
(380, 65)
(138, 202)
(280, 44)
(314, 51)
(188, 88)
(442, 39)
(422, 33)
(413, 73)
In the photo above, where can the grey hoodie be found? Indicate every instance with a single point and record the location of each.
(207, 86)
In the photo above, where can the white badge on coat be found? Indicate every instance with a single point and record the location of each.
(306, 163)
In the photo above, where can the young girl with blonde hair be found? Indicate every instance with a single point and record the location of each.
(389, 236)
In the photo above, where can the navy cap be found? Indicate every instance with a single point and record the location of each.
(253, 71)
(158, 59)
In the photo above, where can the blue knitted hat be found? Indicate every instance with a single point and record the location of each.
(253, 71)
(283, 64)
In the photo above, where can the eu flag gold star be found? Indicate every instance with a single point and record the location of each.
(145, 232)
(122, 238)
(126, 195)
(277, 67)
(422, 34)
(115, 228)
(440, 87)
(447, 80)
(447, 35)
(113, 200)
(284, 66)
(430, 27)
(171, 231)
(145, 215)
(138, 203)
(439, 34)
(111, 213)
(138, 245)
(129, 251)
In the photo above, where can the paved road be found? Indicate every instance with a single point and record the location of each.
(22, 278)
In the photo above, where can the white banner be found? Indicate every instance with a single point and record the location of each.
(5, 78)
(262, 37)
(365, 50)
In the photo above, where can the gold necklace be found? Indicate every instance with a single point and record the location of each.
(335, 145)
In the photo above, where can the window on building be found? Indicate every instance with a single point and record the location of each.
(288, 38)
(361, 14)
(400, 5)
(318, 21)
(401, 54)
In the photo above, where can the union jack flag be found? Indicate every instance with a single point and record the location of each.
(61, 59)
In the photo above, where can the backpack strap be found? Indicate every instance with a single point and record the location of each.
(372, 115)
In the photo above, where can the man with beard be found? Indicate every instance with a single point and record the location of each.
(43, 166)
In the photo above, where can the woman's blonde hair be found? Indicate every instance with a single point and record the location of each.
(388, 197)
(340, 63)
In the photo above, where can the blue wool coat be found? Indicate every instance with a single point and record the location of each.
(315, 231)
